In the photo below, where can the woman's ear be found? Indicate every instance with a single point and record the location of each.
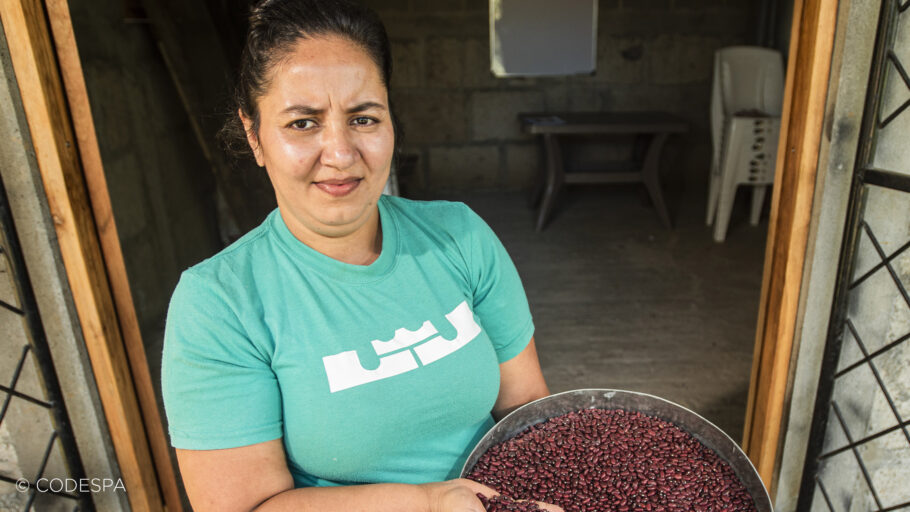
(252, 138)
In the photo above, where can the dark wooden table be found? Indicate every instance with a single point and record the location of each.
(553, 126)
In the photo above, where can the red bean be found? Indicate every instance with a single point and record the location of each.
(503, 503)
(598, 460)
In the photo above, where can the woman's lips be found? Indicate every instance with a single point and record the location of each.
(338, 188)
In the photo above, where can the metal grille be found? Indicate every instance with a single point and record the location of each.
(36, 443)
(859, 447)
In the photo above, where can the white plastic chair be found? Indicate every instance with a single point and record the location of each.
(746, 100)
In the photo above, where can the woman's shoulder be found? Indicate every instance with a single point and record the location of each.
(435, 215)
(231, 260)
(423, 205)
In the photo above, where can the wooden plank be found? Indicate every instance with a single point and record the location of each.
(801, 131)
(772, 225)
(49, 125)
(93, 170)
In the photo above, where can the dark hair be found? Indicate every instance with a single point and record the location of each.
(274, 27)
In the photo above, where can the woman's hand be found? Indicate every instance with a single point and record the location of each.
(548, 507)
(459, 495)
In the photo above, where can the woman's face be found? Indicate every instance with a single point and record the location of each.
(325, 136)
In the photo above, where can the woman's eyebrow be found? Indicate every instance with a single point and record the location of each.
(306, 110)
(367, 105)
(303, 110)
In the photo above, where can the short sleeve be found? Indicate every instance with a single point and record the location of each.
(499, 297)
(219, 389)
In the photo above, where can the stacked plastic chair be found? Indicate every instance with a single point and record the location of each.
(746, 101)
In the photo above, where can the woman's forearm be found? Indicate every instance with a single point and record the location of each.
(372, 498)
(451, 496)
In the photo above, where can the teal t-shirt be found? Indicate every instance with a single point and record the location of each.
(379, 373)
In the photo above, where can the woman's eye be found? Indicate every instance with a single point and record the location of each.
(303, 124)
(364, 121)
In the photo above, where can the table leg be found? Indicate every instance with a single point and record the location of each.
(537, 188)
(651, 176)
(555, 178)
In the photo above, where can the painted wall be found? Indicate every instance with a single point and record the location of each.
(462, 122)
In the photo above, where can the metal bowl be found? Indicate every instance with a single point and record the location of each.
(563, 403)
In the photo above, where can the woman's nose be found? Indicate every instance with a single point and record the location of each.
(338, 150)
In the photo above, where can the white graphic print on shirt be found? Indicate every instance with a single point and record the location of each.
(345, 371)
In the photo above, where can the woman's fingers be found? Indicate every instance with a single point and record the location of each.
(462, 491)
(459, 495)
(476, 487)
(549, 507)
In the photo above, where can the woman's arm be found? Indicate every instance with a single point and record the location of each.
(520, 382)
(256, 477)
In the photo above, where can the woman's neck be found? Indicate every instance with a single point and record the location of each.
(360, 247)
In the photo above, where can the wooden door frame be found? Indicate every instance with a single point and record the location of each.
(49, 75)
(808, 73)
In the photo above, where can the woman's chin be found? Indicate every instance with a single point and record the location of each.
(342, 220)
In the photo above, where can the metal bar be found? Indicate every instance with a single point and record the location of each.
(900, 67)
(906, 504)
(888, 179)
(833, 346)
(47, 455)
(13, 392)
(859, 460)
(878, 378)
(903, 74)
(863, 440)
(881, 254)
(12, 308)
(885, 122)
(42, 467)
(874, 269)
(846, 259)
(873, 355)
(38, 342)
(32, 494)
(15, 379)
(821, 487)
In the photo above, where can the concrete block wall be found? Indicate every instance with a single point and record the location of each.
(462, 123)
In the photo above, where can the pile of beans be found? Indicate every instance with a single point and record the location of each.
(503, 503)
(598, 460)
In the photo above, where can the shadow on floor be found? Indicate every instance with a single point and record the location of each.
(621, 302)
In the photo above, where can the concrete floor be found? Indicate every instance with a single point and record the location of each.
(621, 302)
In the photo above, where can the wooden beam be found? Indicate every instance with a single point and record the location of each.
(93, 170)
(812, 43)
(34, 63)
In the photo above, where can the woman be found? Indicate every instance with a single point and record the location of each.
(351, 338)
